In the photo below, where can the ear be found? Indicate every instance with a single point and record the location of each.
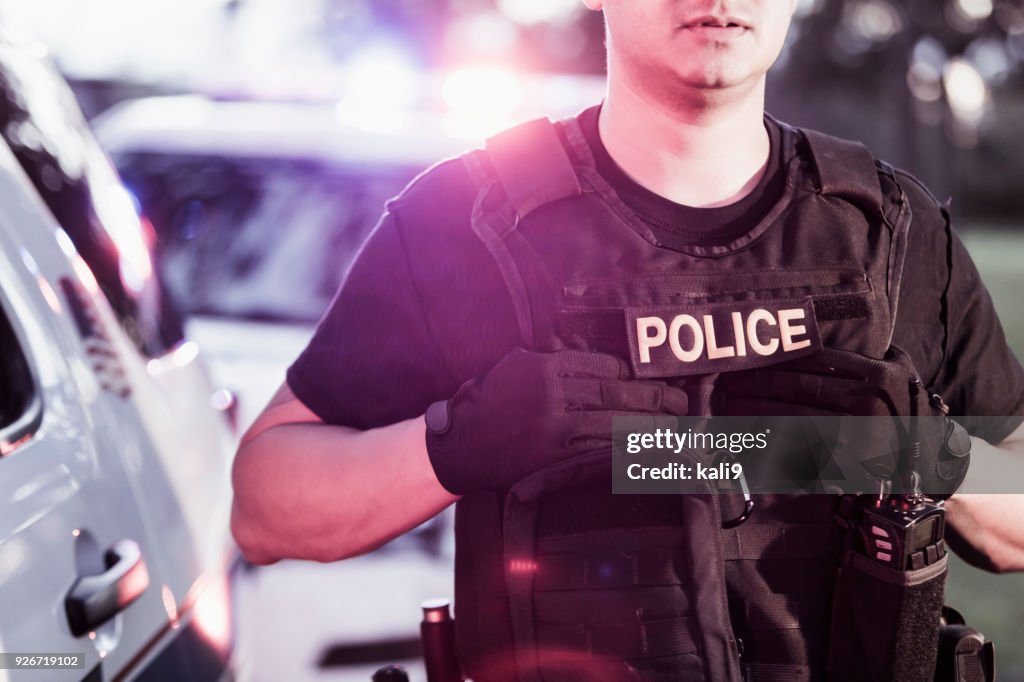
(596, 5)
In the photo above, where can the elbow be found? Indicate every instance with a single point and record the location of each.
(251, 541)
(252, 535)
(270, 522)
(261, 545)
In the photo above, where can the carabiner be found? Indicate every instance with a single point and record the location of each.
(748, 500)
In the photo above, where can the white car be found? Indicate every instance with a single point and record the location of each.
(114, 465)
(258, 209)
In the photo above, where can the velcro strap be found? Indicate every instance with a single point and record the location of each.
(775, 672)
(532, 166)
(846, 169)
(601, 329)
(774, 614)
(835, 308)
(778, 541)
(631, 640)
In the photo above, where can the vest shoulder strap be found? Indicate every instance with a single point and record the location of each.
(532, 166)
(846, 169)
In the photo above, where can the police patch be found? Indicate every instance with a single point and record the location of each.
(668, 341)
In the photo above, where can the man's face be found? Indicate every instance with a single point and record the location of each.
(710, 44)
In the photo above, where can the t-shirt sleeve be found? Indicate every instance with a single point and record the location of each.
(373, 360)
(969, 361)
(422, 310)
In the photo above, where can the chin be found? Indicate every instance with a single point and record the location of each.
(715, 80)
(710, 72)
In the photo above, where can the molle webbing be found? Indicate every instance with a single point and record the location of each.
(626, 641)
(606, 585)
(609, 569)
(622, 566)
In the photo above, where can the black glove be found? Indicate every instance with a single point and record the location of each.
(845, 384)
(532, 410)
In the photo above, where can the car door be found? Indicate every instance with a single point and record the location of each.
(77, 574)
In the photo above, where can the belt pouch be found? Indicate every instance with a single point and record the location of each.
(885, 622)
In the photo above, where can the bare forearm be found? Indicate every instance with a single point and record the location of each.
(987, 530)
(986, 527)
(321, 492)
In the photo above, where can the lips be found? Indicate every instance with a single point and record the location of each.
(720, 22)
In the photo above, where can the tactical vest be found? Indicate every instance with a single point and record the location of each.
(591, 580)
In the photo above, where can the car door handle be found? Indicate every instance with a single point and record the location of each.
(95, 599)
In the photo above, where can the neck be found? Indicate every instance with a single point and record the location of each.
(699, 150)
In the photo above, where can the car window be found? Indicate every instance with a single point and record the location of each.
(18, 397)
(257, 238)
(41, 122)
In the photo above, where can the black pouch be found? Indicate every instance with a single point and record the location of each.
(964, 653)
(885, 622)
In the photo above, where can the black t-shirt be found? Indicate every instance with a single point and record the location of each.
(676, 224)
(424, 308)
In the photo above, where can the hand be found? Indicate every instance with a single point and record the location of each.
(532, 410)
(847, 385)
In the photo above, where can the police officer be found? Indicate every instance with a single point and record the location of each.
(505, 299)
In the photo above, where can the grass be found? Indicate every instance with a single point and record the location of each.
(994, 604)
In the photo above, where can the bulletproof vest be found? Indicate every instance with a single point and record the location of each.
(560, 579)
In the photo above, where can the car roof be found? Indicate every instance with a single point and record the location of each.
(192, 124)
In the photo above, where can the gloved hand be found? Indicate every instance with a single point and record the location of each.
(532, 410)
(841, 383)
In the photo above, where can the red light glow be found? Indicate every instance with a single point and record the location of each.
(522, 566)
